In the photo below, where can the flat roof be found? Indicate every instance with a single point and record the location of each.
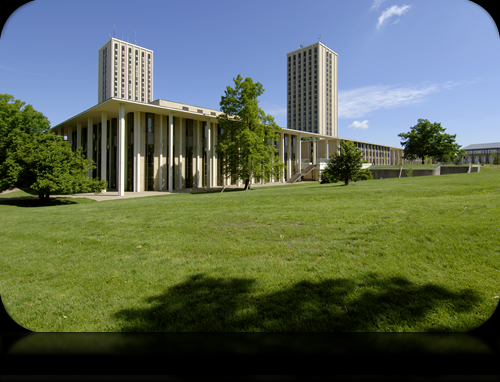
(482, 146)
(308, 46)
(165, 107)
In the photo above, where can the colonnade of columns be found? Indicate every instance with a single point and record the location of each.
(171, 159)
(173, 163)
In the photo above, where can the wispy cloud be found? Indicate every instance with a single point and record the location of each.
(359, 125)
(392, 11)
(275, 110)
(357, 103)
(376, 4)
(22, 71)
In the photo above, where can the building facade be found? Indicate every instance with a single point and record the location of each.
(144, 145)
(125, 72)
(484, 153)
(312, 95)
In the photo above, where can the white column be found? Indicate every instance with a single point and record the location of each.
(161, 151)
(181, 158)
(170, 152)
(121, 150)
(327, 149)
(282, 154)
(209, 156)
(300, 152)
(289, 151)
(213, 161)
(104, 144)
(314, 150)
(78, 135)
(198, 176)
(137, 151)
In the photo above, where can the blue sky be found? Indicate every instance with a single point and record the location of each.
(398, 60)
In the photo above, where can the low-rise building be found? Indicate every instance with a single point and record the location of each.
(484, 153)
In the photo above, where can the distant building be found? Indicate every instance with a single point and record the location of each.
(484, 153)
(312, 90)
(125, 72)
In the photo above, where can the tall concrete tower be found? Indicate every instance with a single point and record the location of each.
(312, 94)
(125, 71)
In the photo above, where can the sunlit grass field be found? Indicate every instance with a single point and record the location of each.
(394, 255)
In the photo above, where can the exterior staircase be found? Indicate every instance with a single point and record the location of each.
(298, 175)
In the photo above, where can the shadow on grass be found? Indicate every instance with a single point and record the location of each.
(218, 191)
(207, 304)
(36, 202)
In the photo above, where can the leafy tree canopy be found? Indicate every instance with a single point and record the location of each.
(245, 146)
(343, 166)
(35, 158)
(15, 118)
(428, 139)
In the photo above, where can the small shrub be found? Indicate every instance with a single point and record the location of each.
(409, 172)
(365, 175)
(327, 177)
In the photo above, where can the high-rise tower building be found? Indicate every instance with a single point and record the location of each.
(125, 71)
(312, 90)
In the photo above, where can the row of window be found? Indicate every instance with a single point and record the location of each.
(123, 83)
(490, 151)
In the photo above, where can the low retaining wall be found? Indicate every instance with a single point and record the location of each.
(445, 170)
(383, 174)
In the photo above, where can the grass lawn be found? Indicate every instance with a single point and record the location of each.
(394, 255)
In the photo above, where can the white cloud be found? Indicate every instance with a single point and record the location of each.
(392, 11)
(357, 103)
(376, 4)
(359, 125)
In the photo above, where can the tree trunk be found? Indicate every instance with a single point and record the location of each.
(43, 197)
(247, 184)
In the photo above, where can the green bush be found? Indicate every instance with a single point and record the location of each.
(365, 175)
(327, 177)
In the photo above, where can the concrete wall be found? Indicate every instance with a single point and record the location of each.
(378, 174)
(445, 170)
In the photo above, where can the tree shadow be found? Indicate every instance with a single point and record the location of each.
(27, 201)
(208, 304)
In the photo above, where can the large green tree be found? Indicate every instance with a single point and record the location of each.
(245, 146)
(31, 157)
(428, 139)
(343, 166)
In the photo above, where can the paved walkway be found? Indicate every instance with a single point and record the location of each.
(113, 195)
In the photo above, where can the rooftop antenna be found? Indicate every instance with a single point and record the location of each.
(319, 38)
(113, 31)
(301, 46)
(135, 34)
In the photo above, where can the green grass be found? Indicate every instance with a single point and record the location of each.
(393, 255)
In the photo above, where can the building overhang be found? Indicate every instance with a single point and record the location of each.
(162, 107)
(111, 108)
